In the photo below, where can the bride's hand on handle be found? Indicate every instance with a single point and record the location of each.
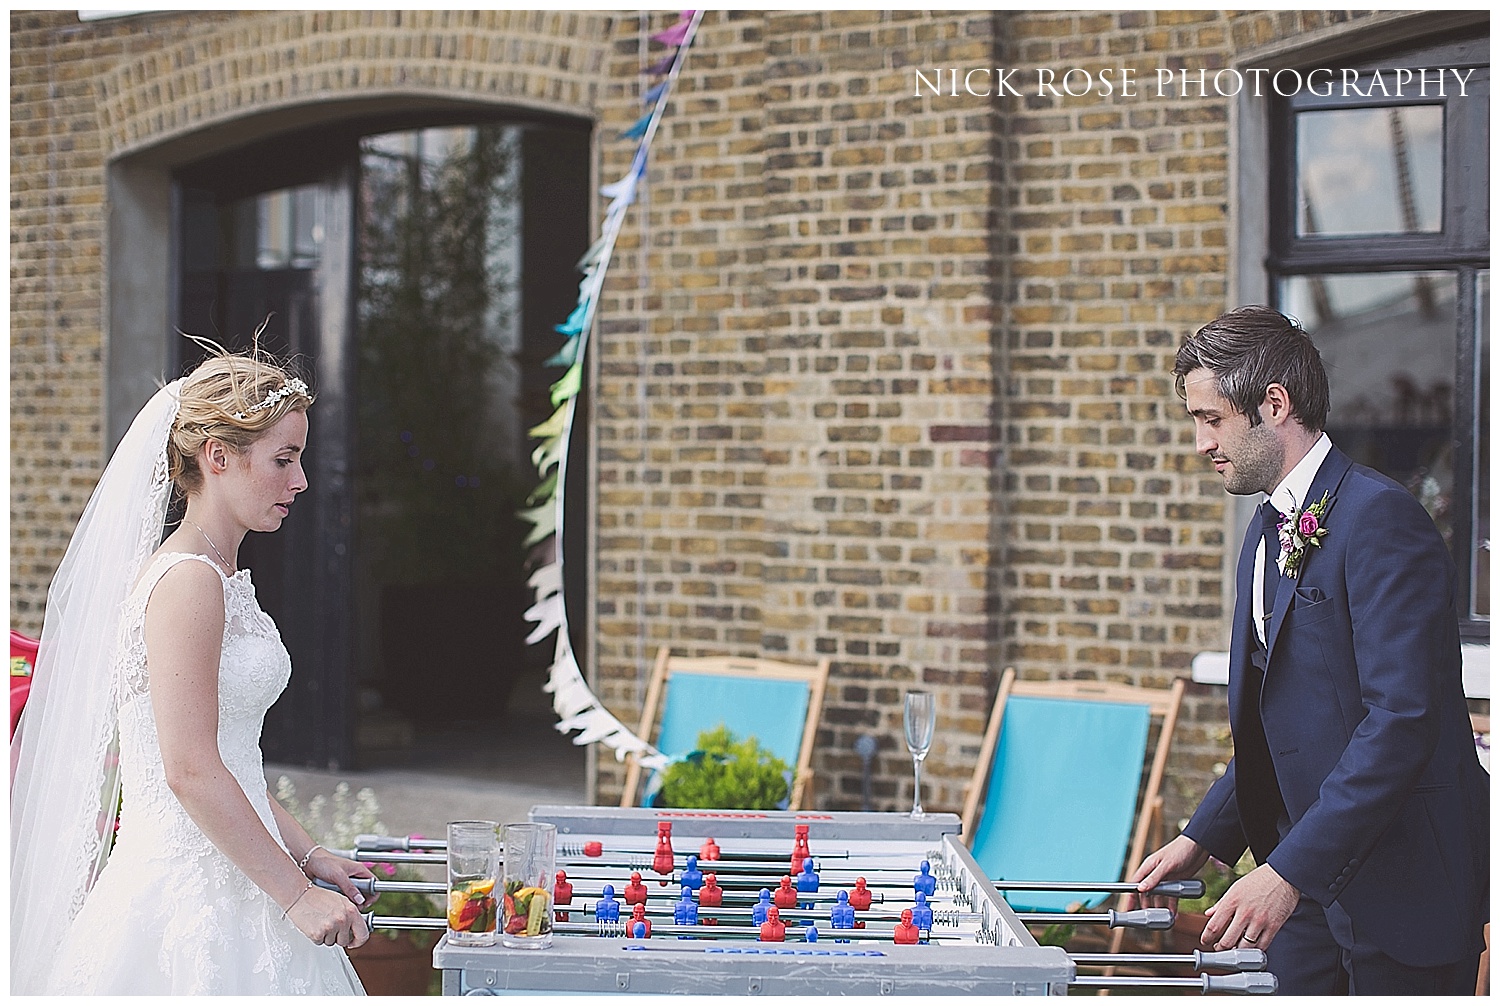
(328, 918)
(324, 865)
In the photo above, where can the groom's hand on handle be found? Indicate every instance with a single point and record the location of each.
(1179, 859)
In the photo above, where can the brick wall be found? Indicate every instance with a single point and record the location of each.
(879, 377)
(807, 349)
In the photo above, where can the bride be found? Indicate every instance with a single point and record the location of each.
(155, 672)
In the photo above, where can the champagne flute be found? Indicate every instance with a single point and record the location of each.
(921, 717)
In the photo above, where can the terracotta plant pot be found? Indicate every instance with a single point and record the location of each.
(396, 967)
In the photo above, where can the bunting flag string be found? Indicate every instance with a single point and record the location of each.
(577, 707)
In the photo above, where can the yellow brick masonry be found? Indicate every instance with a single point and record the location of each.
(879, 377)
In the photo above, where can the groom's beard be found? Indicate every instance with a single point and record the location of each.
(1254, 463)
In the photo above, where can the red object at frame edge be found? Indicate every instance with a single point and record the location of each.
(22, 648)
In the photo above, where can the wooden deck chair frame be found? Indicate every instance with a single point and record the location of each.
(1164, 703)
(816, 676)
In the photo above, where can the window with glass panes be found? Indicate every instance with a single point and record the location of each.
(1380, 247)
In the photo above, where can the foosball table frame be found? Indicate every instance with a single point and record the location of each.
(970, 942)
(999, 958)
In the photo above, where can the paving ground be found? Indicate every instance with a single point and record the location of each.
(482, 769)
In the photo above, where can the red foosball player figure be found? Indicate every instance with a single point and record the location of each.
(785, 895)
(773, 930)
(709, 852)
(662, 863)
(635, 891)
(562, 895)
(800, 851)
(905, 931)
(710, 895)
(859, 900)
(639, 915)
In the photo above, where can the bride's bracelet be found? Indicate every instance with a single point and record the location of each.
(302, 863)
(309, 887)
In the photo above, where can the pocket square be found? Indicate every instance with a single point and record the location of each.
(1312, 595)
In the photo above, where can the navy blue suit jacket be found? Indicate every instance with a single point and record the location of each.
(1357, 735)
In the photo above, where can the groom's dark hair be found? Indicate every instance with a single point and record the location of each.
(1248, 350)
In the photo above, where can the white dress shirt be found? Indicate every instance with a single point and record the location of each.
(1288, 497)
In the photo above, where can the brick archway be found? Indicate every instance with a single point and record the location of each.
(297, 66)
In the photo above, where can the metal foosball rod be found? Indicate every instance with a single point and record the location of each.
(664, 909)
(621, 930)
(1198, 960)
(1167, 888)
(1255, 983)
(407, 858)
(405, 843)
(580, 889)
(1140, 918)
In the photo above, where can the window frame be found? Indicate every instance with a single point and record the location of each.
(1459, 247)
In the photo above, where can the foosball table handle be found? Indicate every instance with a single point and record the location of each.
(382, 843)
(1240, 959)
(1251, 983)
(363, 885)
(1141, 918)
(1179, 888)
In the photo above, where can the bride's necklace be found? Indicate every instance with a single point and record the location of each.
(227, 564)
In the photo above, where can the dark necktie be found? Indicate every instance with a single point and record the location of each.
(1269, 516)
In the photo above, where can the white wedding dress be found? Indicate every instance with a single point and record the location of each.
(170, 914)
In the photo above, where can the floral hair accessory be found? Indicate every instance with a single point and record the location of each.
(294, 386)
(1299, 530)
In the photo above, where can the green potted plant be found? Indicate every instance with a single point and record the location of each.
(726, 773)
(392, 961)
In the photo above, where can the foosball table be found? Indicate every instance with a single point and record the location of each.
(716, 903)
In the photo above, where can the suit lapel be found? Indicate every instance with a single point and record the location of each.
(1330, 475)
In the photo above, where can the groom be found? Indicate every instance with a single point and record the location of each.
(1354, 782)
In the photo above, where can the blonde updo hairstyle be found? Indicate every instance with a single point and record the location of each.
(216, 403)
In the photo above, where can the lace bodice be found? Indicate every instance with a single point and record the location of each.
(254, 668)
(170, 914)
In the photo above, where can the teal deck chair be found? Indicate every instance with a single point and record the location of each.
(778, 703)
(1055, 791)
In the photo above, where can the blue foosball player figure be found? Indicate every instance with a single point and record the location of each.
(692, 876)
(810, 934)
(807, 880)
(925, 882)
(760, 910)
(921, 916)
(841, 916)
(685, 912)
(607, 909)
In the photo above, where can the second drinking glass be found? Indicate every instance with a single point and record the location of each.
(526, 905)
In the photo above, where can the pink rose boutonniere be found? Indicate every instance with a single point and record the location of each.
(1298, 531)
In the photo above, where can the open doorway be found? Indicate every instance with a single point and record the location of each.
(418, 269)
